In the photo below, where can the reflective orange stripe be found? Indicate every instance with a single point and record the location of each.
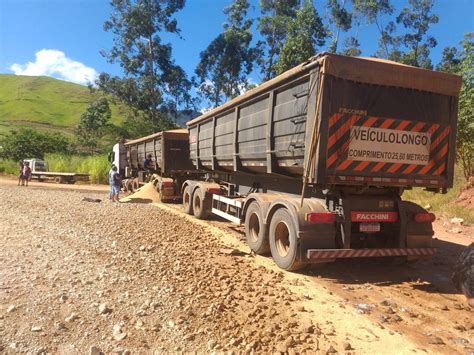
(344, 164)
(334, 119)
(362, 166)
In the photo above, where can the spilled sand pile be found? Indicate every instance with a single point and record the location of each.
(145, 194)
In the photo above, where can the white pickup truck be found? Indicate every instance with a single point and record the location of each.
(40, 171)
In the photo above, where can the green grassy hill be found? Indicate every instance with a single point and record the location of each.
(45, 103)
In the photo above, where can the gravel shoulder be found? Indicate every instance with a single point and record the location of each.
(79, 276)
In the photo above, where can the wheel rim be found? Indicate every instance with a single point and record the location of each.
(254, 227)
(197, 203)
(187, 198)
(282, 238)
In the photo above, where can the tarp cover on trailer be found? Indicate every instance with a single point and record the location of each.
(387, 73)
(360, 69)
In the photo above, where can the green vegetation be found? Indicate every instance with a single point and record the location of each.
(27, 142)
(96, 166)
(153, 86)
(46, 104)
(225, 64)
(443, 204)
(92, 127)
(9, 167)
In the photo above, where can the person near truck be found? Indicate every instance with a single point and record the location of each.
(26, 175)
(114, 181)
(111, 172)
(147, 164)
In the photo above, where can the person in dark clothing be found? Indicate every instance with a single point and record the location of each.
(147, 163)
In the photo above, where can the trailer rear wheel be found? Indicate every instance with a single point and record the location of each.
(134, 185)
(284, 241)
(201, 204)
(257, 236)
(187, 200)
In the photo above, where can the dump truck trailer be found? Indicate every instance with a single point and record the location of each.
(314, 162)
(170, 166)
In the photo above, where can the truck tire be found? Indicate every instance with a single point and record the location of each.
(135, 184)
(201, 204)
(130, 185)
(58, 180)
(255, 232)
(187, 200)
(284, 241)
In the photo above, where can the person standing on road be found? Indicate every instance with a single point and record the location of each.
(26, 173)
(20, 176)
(114, 181)
(111, 171)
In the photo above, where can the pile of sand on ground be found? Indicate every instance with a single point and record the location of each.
(145, 194)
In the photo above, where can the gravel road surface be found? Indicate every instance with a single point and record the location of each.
(85, 277)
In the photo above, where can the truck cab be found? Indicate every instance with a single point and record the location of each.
(37, 165)
(117, 157)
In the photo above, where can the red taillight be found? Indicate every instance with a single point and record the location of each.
(167, 184)
(320, 217)
(424, 217)
(214, 190)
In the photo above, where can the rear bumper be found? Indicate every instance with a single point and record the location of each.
(321, 254)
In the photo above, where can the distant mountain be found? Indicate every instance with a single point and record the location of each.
(45, 103)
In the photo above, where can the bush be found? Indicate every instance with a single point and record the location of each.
(9, 167)
(27, 143)
(96, 166)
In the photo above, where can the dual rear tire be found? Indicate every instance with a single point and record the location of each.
(281, 238)
(198, 203)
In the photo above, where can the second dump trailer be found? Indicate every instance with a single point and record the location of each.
(170, 164)
(314, 161)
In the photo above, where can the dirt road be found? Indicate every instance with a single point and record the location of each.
(78, 277)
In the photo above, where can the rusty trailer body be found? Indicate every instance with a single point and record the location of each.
(314, 161)
(169, 151)
(170, 167)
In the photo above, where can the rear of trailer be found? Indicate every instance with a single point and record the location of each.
(170, 164)
(314, 162)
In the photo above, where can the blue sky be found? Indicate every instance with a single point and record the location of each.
(71, 32)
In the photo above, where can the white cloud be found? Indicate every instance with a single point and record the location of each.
(52, 62)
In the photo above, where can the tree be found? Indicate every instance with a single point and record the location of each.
(351, 47)
(151, 78)
(225, 64)
(179, 90)
(461, 62)
(371, 11)
(450, 60)
(305, 33)
(273, 27)
(413, 47)
(341, 18)
(28, 143)
(93, 123)
(465, 129)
